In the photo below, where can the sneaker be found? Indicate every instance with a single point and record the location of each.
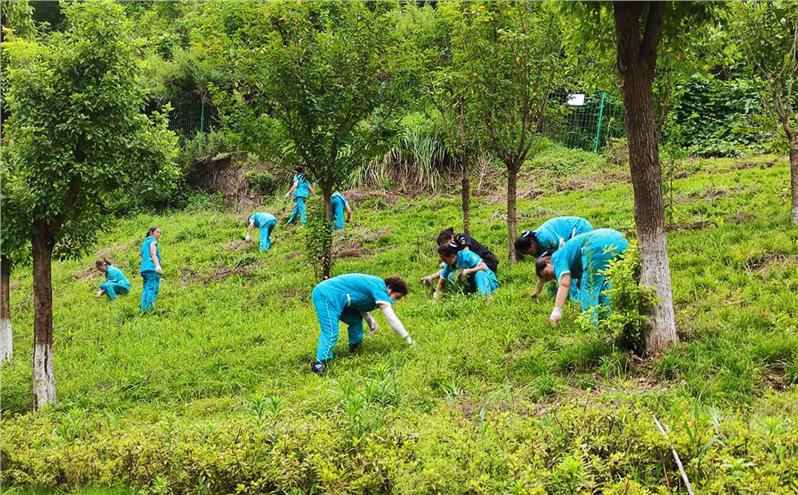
(318, 367)
(355, 348)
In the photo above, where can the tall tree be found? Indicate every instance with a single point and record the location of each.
(16, 20)
(765, 35)
(317, 76)
(512, 53)
(76, 135)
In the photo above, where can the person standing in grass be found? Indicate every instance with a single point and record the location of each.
(479, 278)
(151, 271)
(460, 242)
(583, 258)
(349, 298)
(300, 189)
(266, 223)
(116, 283)
(548, 238)
(339, 204)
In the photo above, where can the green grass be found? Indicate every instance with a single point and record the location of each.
(211, 393)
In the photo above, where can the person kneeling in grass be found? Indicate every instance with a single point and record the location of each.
(266, 223)
(460, 242)
(116, 283)
(548, 238)
(585, 257)
(349, 298)
(479, 278)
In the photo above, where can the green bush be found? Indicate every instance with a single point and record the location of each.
(566, 161)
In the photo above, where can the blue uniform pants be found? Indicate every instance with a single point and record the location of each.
(299, 210)
(594, 285)
(338, 213)
(152, 283)
(483, 281)
(112, 289)
(265, 235)
(329, 313)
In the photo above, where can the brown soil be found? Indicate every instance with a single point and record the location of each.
(703, 224)
(237, 245)
(763, 262)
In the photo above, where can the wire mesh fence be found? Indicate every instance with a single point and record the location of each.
(192, 115)
(586, 122)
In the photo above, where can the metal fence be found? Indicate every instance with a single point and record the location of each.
(585, 121)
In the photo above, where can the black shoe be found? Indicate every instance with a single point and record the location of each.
(318, 367)
(355, 348)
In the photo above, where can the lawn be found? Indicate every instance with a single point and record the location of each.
(212, 393)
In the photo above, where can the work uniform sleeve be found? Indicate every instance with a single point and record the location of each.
(396, 323)
(560, 261)
(446, 271)
(380, 294)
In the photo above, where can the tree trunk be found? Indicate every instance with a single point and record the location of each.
(43, 377)
(512, 221)
(327, 261)
(794, 176)
(636, 62)
(465, 194)
(6, 342)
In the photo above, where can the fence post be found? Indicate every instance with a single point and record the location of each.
(202, 113)
(597, 140)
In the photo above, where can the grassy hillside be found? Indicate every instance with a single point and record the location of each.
(211, 393)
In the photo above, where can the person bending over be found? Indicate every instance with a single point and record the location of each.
(585, 257)
(349, 298)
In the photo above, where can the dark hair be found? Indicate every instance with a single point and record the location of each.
(447, 250)
(299, 169)
(445, 236)
(99, 263)
(524, 242)
(150, 231)
(396, 284)
(540, 264)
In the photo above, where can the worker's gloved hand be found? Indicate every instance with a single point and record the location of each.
(437, 295)
(535, 295)
(247, 238)
(556, 316)
(410, 341)
(99, 293)
(158, 270)
(372, 326)
(427, 280)
(461, 275)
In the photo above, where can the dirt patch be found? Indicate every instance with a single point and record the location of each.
(748, 165)
(741, 217)
(87, 273)
(591, 181)
(761, 263)
(703, 224)
(237, 245)
(353, 252)
(709, 193)
(225, 272)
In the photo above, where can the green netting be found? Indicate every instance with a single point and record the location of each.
(587, 123)
(192, 115)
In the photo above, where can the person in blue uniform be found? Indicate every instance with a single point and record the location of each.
(548, 238)
(339, 204)
(266, 223)
(349, 298)
(116, 283)
(151, 271)
(479, 278)
(300, 189)
(585, 257)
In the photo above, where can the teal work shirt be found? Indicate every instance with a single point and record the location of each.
(466, 259)
(115, 275)
(355, 291)
(554, 233)
(260, 219)
(303, 186)
(146, 260)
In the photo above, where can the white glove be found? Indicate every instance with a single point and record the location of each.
(158, 270)
(409, 340)
(556, 315)
(372, 326)
(247, 237)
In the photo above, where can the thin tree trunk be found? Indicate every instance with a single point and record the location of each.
(465, 194)
(794, 176)
(6, 341)
(327, 262)
(43, 376)
(512, 221)
(636, 63)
